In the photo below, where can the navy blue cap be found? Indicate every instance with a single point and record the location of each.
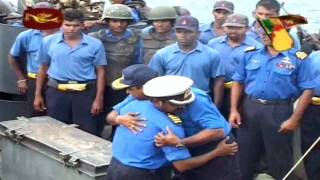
(187, 22)
(134, 75)
(236, 20)
(226, 5)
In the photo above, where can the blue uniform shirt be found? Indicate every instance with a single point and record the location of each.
(17, 24)
(315, 61)
(200, 64)
(207, 33)
(139, 150)
(136, 15)
(253, 34)
(202, 114)
(123, 103)
(68, 63)
(199, 115)
(230, 57)
(138, 58)
(27, 44)
(282, 77)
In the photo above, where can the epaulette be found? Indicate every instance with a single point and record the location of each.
(301, 55)
(174, 119)
(250, 48)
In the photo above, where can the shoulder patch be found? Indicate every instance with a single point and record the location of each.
(135, 37)
(250, 48)
(301, 55)
(174, 119)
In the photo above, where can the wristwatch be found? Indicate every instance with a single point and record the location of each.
(180, 144)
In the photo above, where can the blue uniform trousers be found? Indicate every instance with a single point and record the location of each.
(73, 107)
(225, 108)
(119, 171)
(258, 136)
(30, 98)
(310, 131)
(220, 168)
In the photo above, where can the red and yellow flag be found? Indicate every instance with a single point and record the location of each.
(276, 28)
(290, 21)
(42, 18)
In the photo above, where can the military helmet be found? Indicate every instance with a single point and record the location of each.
(44, 5)
(96, 1)
(69, 3)
(161, 13)
(130, 3)
(117, 11)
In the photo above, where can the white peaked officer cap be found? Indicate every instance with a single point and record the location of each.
(175, 89)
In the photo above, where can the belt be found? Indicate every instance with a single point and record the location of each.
(32, 75)
(270, 102)
(70, 85)
(228, 85)
(315, 101)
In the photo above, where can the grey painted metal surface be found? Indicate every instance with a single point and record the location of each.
(11, 109)
(7, 77)
(11, 103)
(42, 148)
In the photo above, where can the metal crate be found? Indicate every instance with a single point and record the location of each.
(42, 148)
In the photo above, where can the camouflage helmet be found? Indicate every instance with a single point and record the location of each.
(117, 11)
(161, 13)
(44, 5)
(130, 3)
(69, 3)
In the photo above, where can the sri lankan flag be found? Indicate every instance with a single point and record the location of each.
(276, 28)
(42, 18)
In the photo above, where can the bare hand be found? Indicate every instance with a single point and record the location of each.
(22, 87)
(224, 149)
(97, 107)
(38, 104)
(92, 24)
(166, 139)
(235, 119)
(289, 125)
(89, 24)
(132, 121)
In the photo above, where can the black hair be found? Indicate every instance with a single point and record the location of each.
(269, 4)
(71, 14)
(138, 87)
(153, 99)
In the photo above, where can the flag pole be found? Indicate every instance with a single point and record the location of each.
(304, 155)
(265, 30)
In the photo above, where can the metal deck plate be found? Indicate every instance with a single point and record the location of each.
(65, 143)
